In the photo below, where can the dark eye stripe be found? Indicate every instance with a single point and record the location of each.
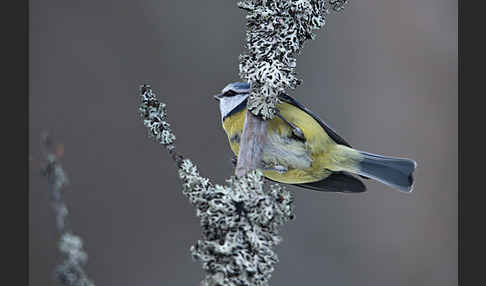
(230, 93)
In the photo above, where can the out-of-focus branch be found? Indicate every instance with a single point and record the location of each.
(277, 30)
(240, 221)
(70, 272)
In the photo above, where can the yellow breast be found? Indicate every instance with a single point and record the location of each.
(308, 161)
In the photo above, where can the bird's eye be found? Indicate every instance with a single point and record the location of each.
(230, 93)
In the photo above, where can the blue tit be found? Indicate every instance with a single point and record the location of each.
(302, 150)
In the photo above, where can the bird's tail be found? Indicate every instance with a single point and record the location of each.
(394, 172)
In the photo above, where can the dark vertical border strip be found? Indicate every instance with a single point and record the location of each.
(24, 133)
(14, 135)
(472, 210)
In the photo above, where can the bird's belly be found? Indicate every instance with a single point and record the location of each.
(304, 162)
(288, 160)
(295, 157)
(289, 153)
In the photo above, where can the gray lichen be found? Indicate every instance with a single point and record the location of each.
(277, 31)
(154, 115)
(70, 272)
(240, 220)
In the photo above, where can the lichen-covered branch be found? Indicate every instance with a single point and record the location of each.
(277, 31)
(240, 221)
(70, 272)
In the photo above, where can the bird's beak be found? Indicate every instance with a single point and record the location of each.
(218, 96)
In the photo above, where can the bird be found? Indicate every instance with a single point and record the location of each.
(301, 149)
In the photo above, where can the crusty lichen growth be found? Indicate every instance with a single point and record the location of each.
(240, 220)
(70, 272)
(154, 115)
(277, 31)
(240, 223)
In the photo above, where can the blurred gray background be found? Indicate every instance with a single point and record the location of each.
(382, 73)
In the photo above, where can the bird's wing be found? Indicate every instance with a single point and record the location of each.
(334, 136)
(336, 182)
(339, 182)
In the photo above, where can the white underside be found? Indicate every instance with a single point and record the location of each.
(286, 152)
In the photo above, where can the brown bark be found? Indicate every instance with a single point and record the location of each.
(253, 138)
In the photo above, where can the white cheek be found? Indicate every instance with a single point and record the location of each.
(226, 104)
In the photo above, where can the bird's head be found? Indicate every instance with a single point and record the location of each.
(231, 96)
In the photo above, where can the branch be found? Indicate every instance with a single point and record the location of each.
(70, 272)
(277, 31)
(251, 145)
(240, 221)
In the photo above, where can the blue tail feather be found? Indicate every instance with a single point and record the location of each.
(394, 172)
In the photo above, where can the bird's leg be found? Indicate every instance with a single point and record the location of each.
(295, 130)
(234, 161)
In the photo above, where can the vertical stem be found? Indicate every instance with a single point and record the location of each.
(253, 138)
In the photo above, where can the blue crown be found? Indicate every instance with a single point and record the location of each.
(238, 87)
